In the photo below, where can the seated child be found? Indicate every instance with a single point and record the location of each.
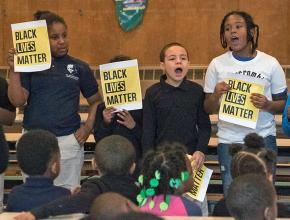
(114, 160)
(253, 158)
(109, 205)
(124, 123)
(38, 156)
(252, 196)
(166, 175)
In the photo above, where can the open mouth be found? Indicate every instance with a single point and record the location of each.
(234, 39)
(178, 70)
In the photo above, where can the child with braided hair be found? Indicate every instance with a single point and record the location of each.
(254, 158)
(166, 175)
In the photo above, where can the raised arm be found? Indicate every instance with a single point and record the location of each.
(16, 93)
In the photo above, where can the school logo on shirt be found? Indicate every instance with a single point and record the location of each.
(72, 72)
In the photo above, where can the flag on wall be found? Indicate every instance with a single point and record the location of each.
(130, 13)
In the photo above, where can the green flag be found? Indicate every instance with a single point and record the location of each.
(130, 13)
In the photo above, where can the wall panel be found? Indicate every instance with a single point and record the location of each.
(95, 35)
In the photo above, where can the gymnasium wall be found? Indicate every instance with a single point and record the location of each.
(95, 35)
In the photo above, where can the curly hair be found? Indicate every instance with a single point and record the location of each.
(248, 157)
(169, 160)
(35, 150)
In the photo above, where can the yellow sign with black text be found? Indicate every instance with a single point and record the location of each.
(201, 180)
(121, 85)
(30, 40)
(236, 106)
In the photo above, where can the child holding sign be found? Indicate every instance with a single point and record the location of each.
(125, 123)
(52, 98)
(166, 175)
(243, 62)
(173, 108)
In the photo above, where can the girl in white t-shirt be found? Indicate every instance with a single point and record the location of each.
(243, 61)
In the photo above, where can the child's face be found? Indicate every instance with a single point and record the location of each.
(58, 39)
(175, 65)
(236, 35)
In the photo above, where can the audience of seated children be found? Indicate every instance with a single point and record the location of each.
(252, 196)
(124, 123)
(108, 205)
(114, 160)
(166, 175)
(173, 108)
(38, 156)
(253, 158)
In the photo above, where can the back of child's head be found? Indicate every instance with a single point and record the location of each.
(35, 151)
(114, 155)
(248, 157)
(138, 216)
(250, 25)
(169, 160)
(250, 197)
(164, 171)
(108, 205)
(246, 162)
(167, 46)
(119, 58)
(49, 16)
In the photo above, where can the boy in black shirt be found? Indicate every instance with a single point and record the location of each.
(173, 108)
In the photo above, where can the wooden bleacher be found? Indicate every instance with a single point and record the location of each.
(150, 75)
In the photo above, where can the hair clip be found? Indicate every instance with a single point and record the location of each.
(184, 176)
(165, 204)
(141, 179)
(157, 175)
(174, 183)
(141, 198)
(150, 192)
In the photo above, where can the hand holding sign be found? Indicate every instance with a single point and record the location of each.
(10, 58)
(108, 114)
(221, 88)
(259, 101)
(197, 160)
(127, 119)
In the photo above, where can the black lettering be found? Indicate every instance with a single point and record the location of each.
(25, 47)
(115, 87)
(31, 59)
(236, 98)
(26, 34)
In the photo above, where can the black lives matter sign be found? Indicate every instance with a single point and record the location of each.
(31, 43)
(121, 85)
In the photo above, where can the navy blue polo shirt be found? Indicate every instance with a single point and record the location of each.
(54, 95)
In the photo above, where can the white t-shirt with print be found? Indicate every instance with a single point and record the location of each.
(263, 69)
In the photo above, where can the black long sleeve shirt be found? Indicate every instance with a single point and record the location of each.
(101, 129)
(175, 114)
(91, 189)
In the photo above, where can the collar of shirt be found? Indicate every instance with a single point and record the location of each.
(167, 87)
